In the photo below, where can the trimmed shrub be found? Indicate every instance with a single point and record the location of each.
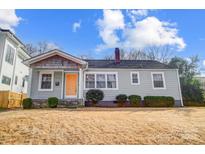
(52, 102)
(121, 99)
(191, 103)
(27, 103)
(158, 101)
(94, 95)
(135, 100)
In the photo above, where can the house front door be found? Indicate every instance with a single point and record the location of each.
(71, 80)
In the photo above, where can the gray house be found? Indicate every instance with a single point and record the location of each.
(62, 75)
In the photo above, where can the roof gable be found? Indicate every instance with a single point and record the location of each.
(52, 53)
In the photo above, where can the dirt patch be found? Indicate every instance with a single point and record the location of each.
(103, 126)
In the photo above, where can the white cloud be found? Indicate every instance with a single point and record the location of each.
(149, 31)
(140, 12)
(112, 21)
(9, 19)
(76, 26)
(152, 32)
(135, 14)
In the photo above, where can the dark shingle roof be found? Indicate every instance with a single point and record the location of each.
(127, 64)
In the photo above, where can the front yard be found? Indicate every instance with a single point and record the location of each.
(103, 126)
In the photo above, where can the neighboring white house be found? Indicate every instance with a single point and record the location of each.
(13, 73)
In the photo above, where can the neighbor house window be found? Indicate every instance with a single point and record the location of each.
(10, 54)
(111, 81)
(158, 80)
(90, 81)
(23, 82)
(6, 80)
(135, 78)
(100, 79)
(16, 80)
(45, 81)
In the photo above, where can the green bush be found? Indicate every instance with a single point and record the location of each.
(192, 91)
(27, 103)
(52, 102)
(191, 103)
(135, 100)
(121, 99)
(94, 95)
(158, 101)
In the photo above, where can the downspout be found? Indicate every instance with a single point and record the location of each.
(82, 86)
(179, 85)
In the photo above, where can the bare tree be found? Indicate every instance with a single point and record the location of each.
(159, 53)
(40, 48)
(31, 49)
(85, 56)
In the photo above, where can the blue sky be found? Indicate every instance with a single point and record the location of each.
(97, 32)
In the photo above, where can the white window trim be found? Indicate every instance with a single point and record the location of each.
(164, 83)
(40, 79)
(138, 75)
(12, 46)
(96, 80)
(116, 73)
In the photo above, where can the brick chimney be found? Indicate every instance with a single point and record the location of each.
(117, 55)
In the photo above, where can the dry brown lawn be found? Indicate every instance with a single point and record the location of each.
(103, 126)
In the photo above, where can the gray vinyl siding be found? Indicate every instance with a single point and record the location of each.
(145, 87)
(36, 94)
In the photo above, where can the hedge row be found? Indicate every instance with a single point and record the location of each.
(158, 101)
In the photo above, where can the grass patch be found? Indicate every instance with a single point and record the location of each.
(103, 126)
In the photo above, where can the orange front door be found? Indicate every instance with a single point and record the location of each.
(71, 85)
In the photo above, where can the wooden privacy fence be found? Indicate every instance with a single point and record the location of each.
(10, 99)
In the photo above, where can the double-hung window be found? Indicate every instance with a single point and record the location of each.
(45, 81)
(10, 54)
(6, 80)
(158, 80)
(101, 80)
(23, 82)
(16, 80)
(135, 78)
(90, 81)
(111, 81)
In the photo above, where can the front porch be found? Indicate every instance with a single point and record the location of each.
(63, 84)
(56, 74)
